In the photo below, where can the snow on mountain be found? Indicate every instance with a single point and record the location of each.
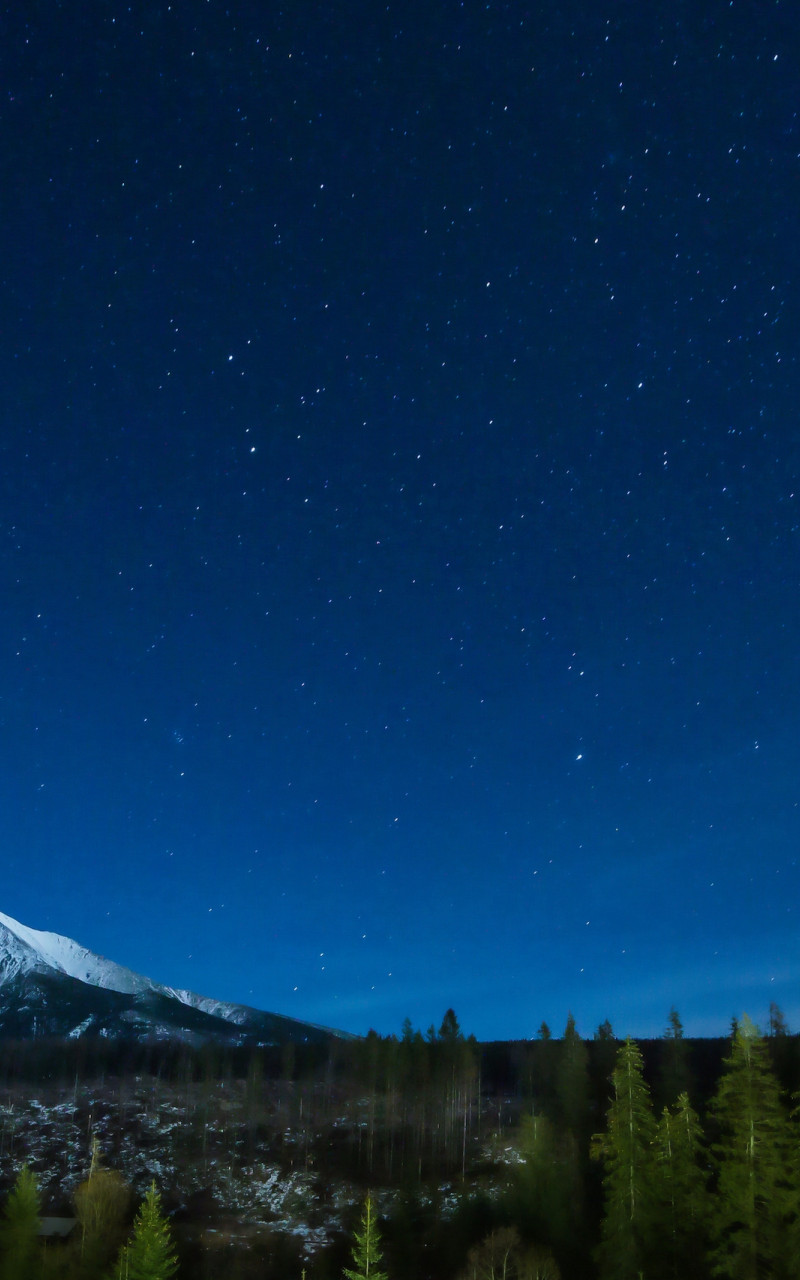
(24, 950)
(51, 985)
(56, 952)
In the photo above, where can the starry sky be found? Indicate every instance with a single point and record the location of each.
(400, 504)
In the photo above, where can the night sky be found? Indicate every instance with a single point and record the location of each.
(400, 506)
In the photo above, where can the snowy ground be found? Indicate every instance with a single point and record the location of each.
(229, 1169)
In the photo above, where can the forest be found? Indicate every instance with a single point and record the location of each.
(419, 1155)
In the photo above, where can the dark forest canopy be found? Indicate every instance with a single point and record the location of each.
(582, 1158)
(516, 1067)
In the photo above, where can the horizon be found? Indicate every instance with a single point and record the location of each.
(424, 1027)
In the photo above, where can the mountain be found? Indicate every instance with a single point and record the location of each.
(51, 985)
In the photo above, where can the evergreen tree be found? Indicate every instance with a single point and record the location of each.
(626, 1152)
(674, 1078)
(573, 1080)
(542, 1070)
(547, 1191)
(604, 1054)
(366, 1248)
(753, 1156)
(150, 1254)
(682, 1197)
(20, 1257)
(777, 1021)
(450, 1031)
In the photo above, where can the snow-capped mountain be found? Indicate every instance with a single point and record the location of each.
(24, 950)
(51, 985)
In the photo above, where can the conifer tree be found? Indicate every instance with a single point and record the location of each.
(548, 1187)
(753, 1157)
(626, 1152)
(150, 1254)
(20, 1257)
(777, 1021)
(604, 1053)
(543, 1069)
(573, 1080)
(450, 1031)
(682, 1196)
(674, 1076)
(367, 1255)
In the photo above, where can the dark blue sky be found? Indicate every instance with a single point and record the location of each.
(399, 512)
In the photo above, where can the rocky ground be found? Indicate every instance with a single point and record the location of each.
(233, 1163)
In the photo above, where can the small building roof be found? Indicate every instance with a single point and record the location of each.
(57, 1227)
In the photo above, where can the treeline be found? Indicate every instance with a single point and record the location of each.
(628, 1170)
(564, 1157)
(683, 1196)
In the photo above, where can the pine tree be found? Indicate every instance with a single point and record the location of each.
(682, 1197)
(777, 1021)
(543, 1070)
(20, 1257)
(604, 1053)
(753, 1156)
(572, 1085)
(626, 1152)
(674, 1077)
(450, 1031)
(548, 1187)
(367, 1255)
(150, 1254)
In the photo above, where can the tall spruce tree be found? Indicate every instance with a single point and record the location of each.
(150, 1253)
(572, 1085)
(674, 1078)
(604, 1055)
(543, 1070)
(367, 1255)
(753, 1205)
(681, 1209)
(547, 1189)
(20, 1257)
(626, 1150)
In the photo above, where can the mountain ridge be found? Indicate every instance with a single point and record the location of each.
(51, 984)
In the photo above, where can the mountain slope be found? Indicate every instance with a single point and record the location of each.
(51, 985)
